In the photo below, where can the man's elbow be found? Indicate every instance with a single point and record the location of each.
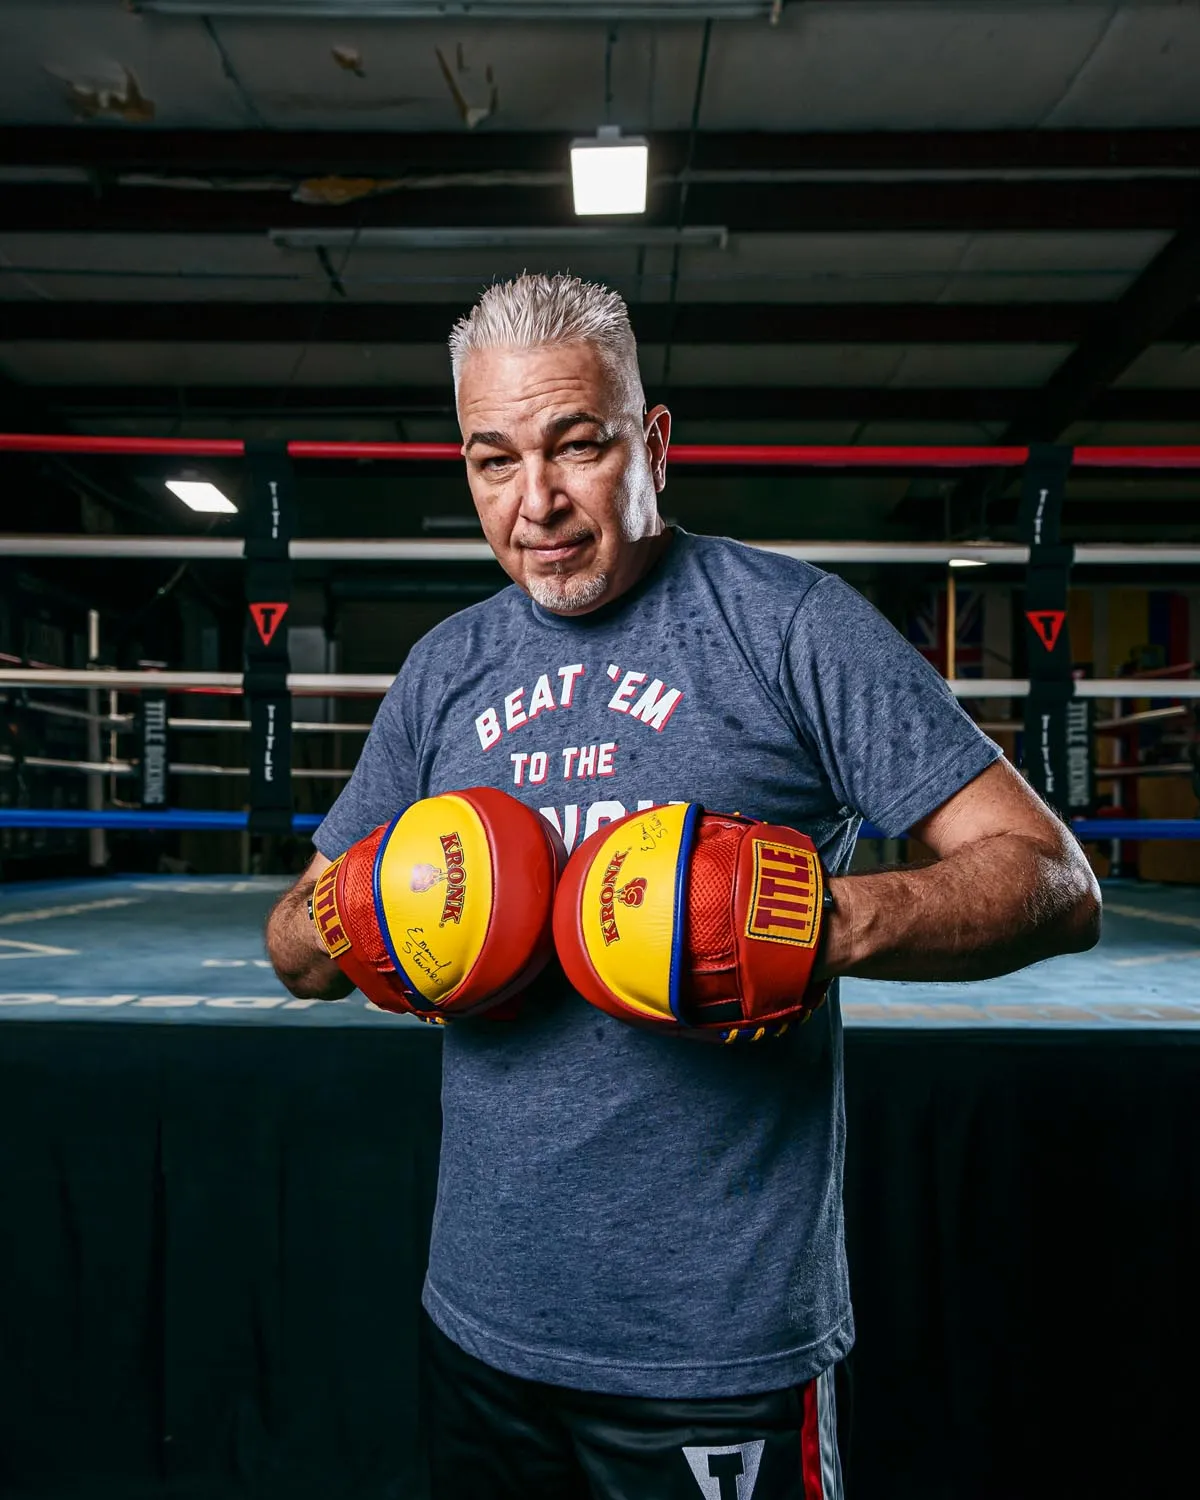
(1062, 904)
(1080, 921)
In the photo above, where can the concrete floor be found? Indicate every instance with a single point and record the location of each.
(159, 949)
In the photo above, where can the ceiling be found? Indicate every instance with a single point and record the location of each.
(946, 222)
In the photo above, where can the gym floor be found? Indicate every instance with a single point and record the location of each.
(163, 949)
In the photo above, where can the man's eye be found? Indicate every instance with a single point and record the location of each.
(497, 461)
(579, 445)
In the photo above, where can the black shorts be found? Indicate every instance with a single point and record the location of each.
(493, 1436)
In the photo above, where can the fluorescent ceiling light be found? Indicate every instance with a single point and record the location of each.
(472, 10)
(565, 237)
(608, 173)
(968, 562)
(198, 494)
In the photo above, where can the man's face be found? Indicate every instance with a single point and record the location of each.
(564, 475)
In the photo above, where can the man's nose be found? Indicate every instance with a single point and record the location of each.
(539, 499)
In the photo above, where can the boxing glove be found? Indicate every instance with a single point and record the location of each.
(694, 923)
(446, 910)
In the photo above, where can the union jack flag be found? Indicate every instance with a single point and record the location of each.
(926, 629)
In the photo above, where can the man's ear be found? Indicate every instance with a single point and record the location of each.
(657, 430)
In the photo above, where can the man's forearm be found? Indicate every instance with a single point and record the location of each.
(985, 910)
(297, 953)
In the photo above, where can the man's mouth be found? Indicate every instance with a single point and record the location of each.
(558, 549)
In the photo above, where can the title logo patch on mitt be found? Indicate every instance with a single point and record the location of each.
(785, 898)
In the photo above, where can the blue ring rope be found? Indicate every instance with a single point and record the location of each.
(199, 819)
(167, 818)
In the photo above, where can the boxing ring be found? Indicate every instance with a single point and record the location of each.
(110, 953)
(217, 1197)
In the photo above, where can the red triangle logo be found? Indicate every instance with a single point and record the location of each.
(1047, 625)
(266, 620)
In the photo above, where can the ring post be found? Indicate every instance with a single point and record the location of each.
(1047, 635)
(270, 522)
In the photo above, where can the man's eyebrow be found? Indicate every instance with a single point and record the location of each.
(554, 428)
(559, 425)
(492, 439)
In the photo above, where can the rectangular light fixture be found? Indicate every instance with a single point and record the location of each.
(564, 237)
(198, 494)
(470, 10)
(968, 562)
(608, 172)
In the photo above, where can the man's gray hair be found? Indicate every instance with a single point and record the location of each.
(534, 310)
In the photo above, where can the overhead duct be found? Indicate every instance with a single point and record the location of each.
(566, 237)
(472, 10)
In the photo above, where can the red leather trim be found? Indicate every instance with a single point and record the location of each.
(772, 976)
(519, 941)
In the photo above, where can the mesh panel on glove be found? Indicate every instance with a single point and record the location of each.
(358, 903)
(709, 919)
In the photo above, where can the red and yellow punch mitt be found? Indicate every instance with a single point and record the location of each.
(694, 922)
(446, 910)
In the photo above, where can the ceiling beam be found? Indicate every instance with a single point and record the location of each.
(1164, 297)
(688, 403)
(653, 322)
(954, 206)
(111, 149)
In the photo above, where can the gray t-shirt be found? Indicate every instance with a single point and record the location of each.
(617, 1210)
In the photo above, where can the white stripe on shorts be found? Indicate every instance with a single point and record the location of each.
(831, 1467)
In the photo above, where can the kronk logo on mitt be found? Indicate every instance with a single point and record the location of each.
(633, 893)
(608, 891)
(456, 879)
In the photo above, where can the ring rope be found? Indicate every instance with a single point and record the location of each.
(175, 768)
(921, 456)
(331, 684)
(199, 819)
(412, 549)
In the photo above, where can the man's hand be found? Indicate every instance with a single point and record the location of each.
(296, 952)
(1010, 887)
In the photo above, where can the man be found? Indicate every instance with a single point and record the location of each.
(637, 1283)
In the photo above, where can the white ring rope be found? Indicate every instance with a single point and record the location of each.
(331, 684)
(310, 684)
(128, 721)
(180, 768)
(406, 549)
(185, 768)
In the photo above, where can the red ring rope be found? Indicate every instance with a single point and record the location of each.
(26, 442)
(939, 456)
